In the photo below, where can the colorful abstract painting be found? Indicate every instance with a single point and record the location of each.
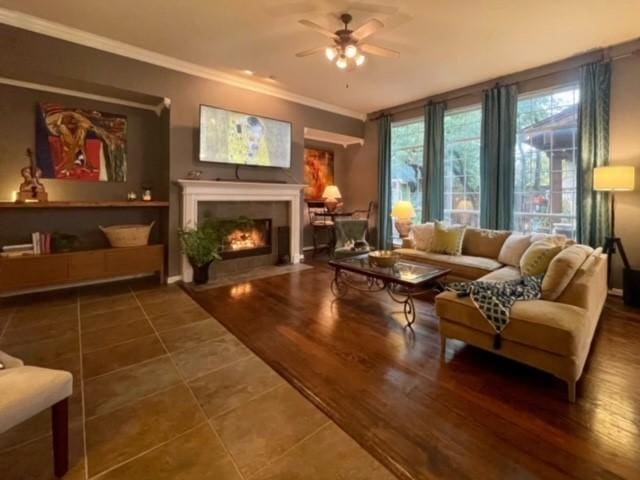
(318, 172)
(75, 144)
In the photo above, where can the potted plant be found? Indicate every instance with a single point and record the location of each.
(203, 243)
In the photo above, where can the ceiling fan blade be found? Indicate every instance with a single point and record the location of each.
(368, 28)
(380, 51)
(318, 28)
(311, 51)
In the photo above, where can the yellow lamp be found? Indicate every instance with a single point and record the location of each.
(403, 212)
(331, 196)
(614, 178)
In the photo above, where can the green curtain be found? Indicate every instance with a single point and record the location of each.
(433, 192)
(593, 133)
(384, 182)
(497, 158)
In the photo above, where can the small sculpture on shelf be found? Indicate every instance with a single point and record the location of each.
(31, 190)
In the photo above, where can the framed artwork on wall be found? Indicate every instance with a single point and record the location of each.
(318, 172)
(76, 144)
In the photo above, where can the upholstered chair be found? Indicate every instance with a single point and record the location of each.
(351, 237)
(26, 391)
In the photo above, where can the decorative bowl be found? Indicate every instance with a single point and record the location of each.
(383, 258)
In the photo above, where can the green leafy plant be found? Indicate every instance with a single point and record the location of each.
(203, 243)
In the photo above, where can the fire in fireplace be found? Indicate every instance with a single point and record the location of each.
(247, 242)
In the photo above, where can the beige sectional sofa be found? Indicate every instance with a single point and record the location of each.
(552, 334)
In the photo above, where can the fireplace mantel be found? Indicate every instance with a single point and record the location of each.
(195, 191)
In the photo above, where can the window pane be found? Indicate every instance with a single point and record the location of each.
(462, 166)
(407, 139)
(544, 190)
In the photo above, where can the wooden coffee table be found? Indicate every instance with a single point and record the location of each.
(402, 282)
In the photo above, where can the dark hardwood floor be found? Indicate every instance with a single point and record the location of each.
(474, 416)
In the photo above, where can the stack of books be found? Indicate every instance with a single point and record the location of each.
(17, 250)
(40, 243)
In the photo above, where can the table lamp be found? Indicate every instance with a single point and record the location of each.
(403, 213)
(614, 178)
(331, 196)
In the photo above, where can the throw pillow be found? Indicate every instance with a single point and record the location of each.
(562, 269)
(480, 242)
(448, 239)
(423, 236)
(537, 257)
(555, 238)
(513, 248)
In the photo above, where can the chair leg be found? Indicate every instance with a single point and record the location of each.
(60, 428)
(443, 346)
(571, 391)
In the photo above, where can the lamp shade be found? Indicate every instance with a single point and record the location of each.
(331, 191)
(403, 210)
(614, 178)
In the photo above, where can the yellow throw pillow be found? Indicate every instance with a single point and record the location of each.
(537, 257)
(447, 239)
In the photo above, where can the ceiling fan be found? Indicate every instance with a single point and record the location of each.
(348, 47)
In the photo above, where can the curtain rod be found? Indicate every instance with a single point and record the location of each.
(486, 85)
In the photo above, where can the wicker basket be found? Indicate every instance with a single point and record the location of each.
(128, 235)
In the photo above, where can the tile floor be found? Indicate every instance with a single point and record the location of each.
(163, 391)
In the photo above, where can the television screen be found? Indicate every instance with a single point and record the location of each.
(242, 139)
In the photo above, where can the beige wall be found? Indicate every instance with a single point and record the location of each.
(625, 150)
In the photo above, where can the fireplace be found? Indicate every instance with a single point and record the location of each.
(250, 241)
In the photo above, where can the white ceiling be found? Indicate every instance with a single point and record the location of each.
(444, 44)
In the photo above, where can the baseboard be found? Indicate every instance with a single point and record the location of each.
(615, 292)
(64, 286)
(174, 278)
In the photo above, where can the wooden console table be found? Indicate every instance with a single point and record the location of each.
(34, 271)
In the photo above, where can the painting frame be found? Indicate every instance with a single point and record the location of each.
(81, 144)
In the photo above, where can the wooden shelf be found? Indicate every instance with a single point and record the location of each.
(34, 271)
(86, 204)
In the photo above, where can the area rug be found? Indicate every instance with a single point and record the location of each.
(253, 274)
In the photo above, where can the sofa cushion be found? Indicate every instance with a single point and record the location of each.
(537, 257)
(463, 266)
(562, 269)
(513, 248)
(481, 242)
(503, 274)
(550, 326)
(448, 239)
(423, 236)
(556, 239)
(589, 279)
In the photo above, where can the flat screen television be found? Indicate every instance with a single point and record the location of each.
(241, 139)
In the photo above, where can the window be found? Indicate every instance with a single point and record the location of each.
(462, 166)
(546, 156)
(407, 170)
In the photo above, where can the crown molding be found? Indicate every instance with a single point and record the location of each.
(87, 39)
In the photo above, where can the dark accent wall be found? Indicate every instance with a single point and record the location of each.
(34, 57)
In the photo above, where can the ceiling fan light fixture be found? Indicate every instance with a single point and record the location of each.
(360, 59)
(351, 51)
(341, 63)
(331, 53)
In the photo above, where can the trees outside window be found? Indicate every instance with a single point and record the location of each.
(407, 164)
(462, 166)
(546, 156)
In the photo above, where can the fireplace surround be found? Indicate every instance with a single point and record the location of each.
(195, 192)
